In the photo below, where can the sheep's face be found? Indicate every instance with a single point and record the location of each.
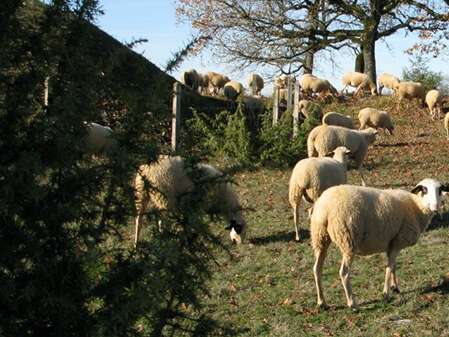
(430, 191)
(237, 231)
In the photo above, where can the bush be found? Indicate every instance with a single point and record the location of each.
(419, 71)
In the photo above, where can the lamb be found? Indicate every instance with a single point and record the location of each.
(307, 107)
(365, 221)
(446, 124)
(376, 119)
(255, 82)
(169, 182)
(338, 119)
(191, 79)
(410, 90)
(434, 103)
(360, 81)
(232, 90)
(324, 138)
(387, 81)
(99, 138)
(312, 176)
(216, 81)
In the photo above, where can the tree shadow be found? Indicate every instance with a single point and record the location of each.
(284, 236)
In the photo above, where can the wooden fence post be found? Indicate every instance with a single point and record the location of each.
(47, 79)
(176, 116)
(296, 109)
(289, 93)
(275, 105)
(253, 88)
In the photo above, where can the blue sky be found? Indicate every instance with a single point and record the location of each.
(156, 21)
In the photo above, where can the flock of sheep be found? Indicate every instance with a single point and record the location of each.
(360, 220)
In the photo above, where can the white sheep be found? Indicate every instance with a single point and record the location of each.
(365, 221)
(434, 103)
(324, 138)
(160, 185)
(232, 90)
(203, 83)
(99, 138)
(306, 107)
(410, 90)
(446, 124)
(312, 176)
(360, 81)
(190, 78)
(216, 81)
(338, 119)
(370, 117)
(312, 84)
(387, 81)
(256, 84)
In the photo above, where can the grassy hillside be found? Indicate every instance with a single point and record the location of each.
(266, 286)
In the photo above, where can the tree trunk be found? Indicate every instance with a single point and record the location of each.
(369, 55)
(308, 62)
(359, 64)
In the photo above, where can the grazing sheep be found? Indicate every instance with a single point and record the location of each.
(410, 90)
(446, 124)
(338, 119)
(310, 83)
(216, 81)
(99, 138)
(203, 83)
(312, 176)
(169, 182)
(232, 90)
(434, 103)
(307, 107)
(191, 79)
(387, 81)
(256, 84)
(360, 81)
(324, 138)
(370, 117)
(365, 221)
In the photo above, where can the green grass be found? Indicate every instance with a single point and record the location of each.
(266, 286)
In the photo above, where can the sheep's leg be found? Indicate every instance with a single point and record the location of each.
(361, 176)
(390, 274)
(138, 228)
(296, 219)
(320, 255)
(447, 133)
(346, 280)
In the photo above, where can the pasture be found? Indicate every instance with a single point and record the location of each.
(266, 288)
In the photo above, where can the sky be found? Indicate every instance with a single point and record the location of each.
(156, 21)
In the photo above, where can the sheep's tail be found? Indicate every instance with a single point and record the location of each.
(295, 193)
(311, 151)
(318, 230)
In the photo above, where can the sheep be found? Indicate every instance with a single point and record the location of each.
(387, 81)
(446, 124)
(255, 82)
(324, 138)
(99, 138)
(216, 81)
(365, 221)
(203, 83)
(312, 176)
(282, 81)
(307, 107)
(190, 78)
(360, 81)
(310, 83)
(370, 117)
(338, 119)
(410, 90)
(169, 182)
(232, 90)
(434, 103)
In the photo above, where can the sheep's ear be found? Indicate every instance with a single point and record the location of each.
(348, 152)
(417, 189)
(445, 188)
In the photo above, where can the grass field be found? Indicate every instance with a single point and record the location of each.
(266, 286)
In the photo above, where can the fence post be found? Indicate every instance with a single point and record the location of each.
(289, 93)
(46, 91)
(296, 109)
(275, 105)
(176, 116)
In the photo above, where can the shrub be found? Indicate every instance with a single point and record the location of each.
(419, 71)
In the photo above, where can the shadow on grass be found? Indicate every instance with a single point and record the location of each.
(439, 221)
(280, 237)
(398, 144)
(442, 287)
